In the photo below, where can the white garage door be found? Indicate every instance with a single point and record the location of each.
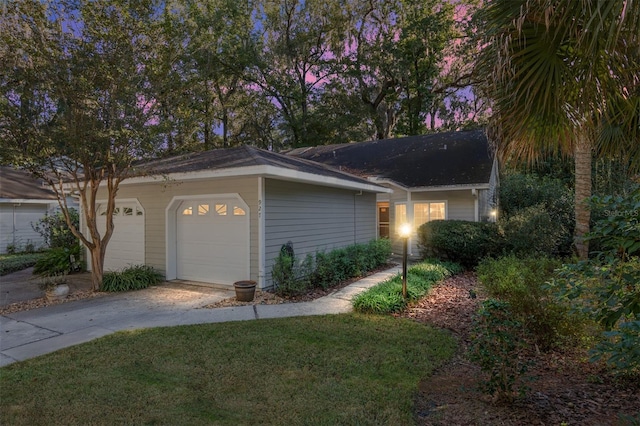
(126, 246)
(212, 240)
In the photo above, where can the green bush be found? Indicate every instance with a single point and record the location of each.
(459, 241)
(59, 261)
(536, 215)
(55, 231)
(17, 262)
(607, 286)
(533, 231)
(282, 272)
(498, 342)
(386, 297)
(325, 270)
(132, 278)
(522, 282)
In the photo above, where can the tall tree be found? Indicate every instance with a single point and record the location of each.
(220, 48)
(394, 56)
(564, 78)
(75, 108)
(295, 60)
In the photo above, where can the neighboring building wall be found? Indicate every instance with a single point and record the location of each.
(15, 225)
(155, 197)
(314, 218)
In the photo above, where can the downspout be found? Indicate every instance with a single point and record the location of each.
(261, 234)
(355, 221)
(13, 232)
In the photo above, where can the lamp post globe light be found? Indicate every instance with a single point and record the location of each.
(405, 232)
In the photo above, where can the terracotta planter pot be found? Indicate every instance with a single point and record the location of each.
(245, 290)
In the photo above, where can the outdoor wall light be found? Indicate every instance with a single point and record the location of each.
(405, 232)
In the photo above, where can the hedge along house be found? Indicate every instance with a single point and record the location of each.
(450, 176)
(223, 215)
(23, 201)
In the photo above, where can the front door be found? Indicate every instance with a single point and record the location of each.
(383, 220)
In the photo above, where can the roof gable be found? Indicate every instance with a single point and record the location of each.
(441, 159)
(238, 158)
(21, 185)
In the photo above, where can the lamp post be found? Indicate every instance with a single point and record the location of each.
(405, 231)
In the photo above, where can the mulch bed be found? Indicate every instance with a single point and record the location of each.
(269, 298)
(566, 389)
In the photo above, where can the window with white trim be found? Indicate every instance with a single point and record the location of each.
(426, 212)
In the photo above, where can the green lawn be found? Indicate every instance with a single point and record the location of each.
(17, 262)
(329, 370)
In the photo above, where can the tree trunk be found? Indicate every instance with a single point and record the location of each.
(582, 161)
(97, 268)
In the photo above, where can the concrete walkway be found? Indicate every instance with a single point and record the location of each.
(28, 334)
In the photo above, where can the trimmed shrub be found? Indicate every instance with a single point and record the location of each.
(17, 262)
(59, 261)
(325, 270)
(459, 241)
(386, 297)
(132, 278)
(522, 282)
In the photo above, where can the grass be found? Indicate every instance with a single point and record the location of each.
(327, 370)
(386, 297)
(17, 262)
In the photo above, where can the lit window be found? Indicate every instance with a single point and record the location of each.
(436, 211)
(221, 209)
(401, 215)
(203, 209)
(188, 211)
(238, 211)
(426, 212)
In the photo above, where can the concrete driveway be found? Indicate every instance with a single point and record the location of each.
(28, 334)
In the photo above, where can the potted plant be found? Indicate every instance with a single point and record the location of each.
(245, 290)
(55, 287)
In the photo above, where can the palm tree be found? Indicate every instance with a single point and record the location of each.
(563, 76)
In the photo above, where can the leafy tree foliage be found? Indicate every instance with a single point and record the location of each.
(75, 104)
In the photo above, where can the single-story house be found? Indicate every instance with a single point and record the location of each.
(24, 200)
(451, 175)
(222, 216)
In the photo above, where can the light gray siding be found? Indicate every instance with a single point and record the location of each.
(15, 225)
(314, 218)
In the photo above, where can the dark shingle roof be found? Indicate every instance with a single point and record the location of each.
(441, 159)
(242, 156)
(18, 184)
